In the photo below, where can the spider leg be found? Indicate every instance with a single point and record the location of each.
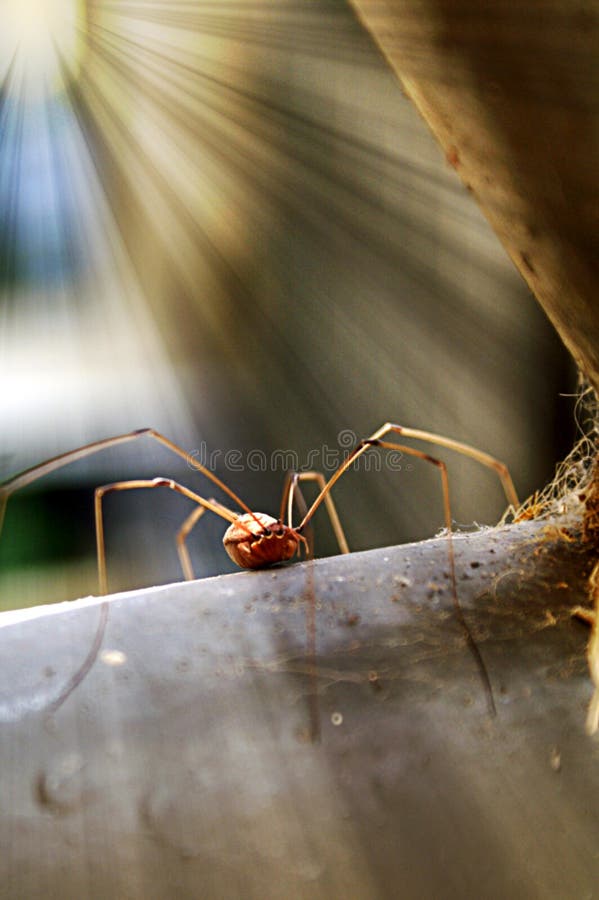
(22, 479)
(144, 483)
(184, 531)
(292, 492)
(376, 441)
(465, 449)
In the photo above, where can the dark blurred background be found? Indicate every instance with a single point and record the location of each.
(225, 220)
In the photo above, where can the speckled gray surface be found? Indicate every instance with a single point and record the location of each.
(180, 763)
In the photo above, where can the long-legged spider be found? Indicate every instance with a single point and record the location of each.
(254, 540)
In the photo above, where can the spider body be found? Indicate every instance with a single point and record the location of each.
(257, 540)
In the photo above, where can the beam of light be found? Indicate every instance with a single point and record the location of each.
(80, 354)
(41, 37)
(249, 177)
(41, 48)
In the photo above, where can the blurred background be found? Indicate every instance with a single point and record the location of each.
(224, 220)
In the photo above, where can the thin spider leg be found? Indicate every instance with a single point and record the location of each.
(284, 511)
(360, 449)
(465, 449)
(192, 519)
(143, 483)
(291, 493)
(388, 445)
(319, 478)
(190, 460)
(21, 480)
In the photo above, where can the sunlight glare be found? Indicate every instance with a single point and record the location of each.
(39, 35)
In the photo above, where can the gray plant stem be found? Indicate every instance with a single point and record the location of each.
(183, 759)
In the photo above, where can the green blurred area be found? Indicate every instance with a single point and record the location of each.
(45, 525)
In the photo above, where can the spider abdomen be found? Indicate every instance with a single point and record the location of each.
(257, 540)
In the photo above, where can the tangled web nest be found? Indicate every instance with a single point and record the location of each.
(573, 492)
(574, 495)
